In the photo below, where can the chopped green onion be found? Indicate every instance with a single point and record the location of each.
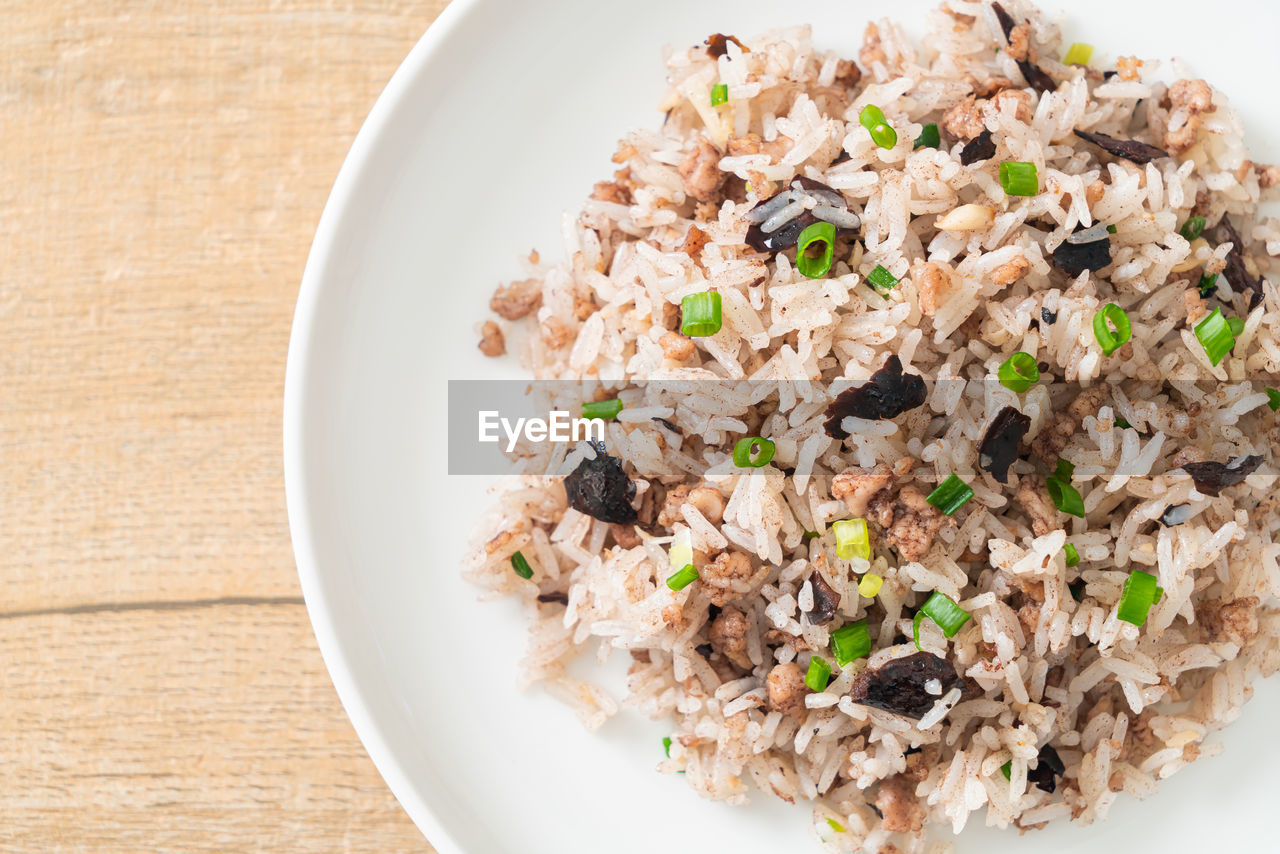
(944, 611)
(1078, 54)
(870, 585)
(929, 137)
(1064, 469)
(1007, 769)
(852, 539)
(1137, 597)
(1159, 595)
(915, 627)
(521, 566)
(882, 280)
(884, 136)
(1192, 228)
(850, 642)
(1019, 178)
(606, 409)
(666, 747)
(1121, 423)
(871, 116)
(1019, 372)
(952, 494)
(1273, 399)
(1236, 325)
(810, 535)
(753, 452)
(835, 825)
(820, 236)
(1112, 328)
(681, 579)
(1214, 334)
(818, 676)
(1073, 556)
(1065, 496)
(719, 94)
(1111, 229)
(700, 314)
(1207, 284)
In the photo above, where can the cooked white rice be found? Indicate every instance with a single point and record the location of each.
(1123, 706)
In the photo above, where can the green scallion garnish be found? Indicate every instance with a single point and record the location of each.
(812, 535)
(1078, 54)
(521, 566)
(1019, 372)
(1207, 284)
(819, 238)
(1019, 178)
(1192, 228)
(700, 314)
(1065, 496)
(1121, 423)
(1214, 334)
(1236, 325)
(835, 825)
(606, 409)
(882, 133)
(852, 539)
(944, 611)
(929, 137)
(1111, 229)
(680, 579)
(950, 495)
(666, 747)
(870, 585)
(1007, 769)
(882, 280)
(818, 676)
(1136, 597)
(1073, 556)
(753, 452)
(1112, 328)
(1273, 399)
(719, 94)
(850, 642)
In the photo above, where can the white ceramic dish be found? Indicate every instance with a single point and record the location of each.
(412, 242)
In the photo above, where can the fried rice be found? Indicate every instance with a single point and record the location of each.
(1045, 702)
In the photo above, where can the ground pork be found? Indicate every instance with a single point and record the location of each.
(964, 120)
(1036, 503)
(1020, 41)
(722, 579)
(1049, 442)
(1195, 98)
(700, 172)
(1268, 176)
(677, 347)
(752, 143)
(785, 689)
(872, 51)
(517, 299)
(1195, 305)
(915, 523)
(728, 636)
(899, 805)
(1007, 274)
(856, 486)
(1234, 622)
(491, 341)
(933, 283)
(625, 535)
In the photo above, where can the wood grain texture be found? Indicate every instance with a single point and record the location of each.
(162, 170)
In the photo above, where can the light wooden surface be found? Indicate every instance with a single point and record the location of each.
(162, 169)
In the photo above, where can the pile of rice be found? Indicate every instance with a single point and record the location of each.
(1123, 706)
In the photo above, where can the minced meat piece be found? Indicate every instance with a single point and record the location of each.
(856, 486)
(1235, 622)
(915, 523)
(728, 636)
(785, 690)
(1195, 97)
(726, 577)
(492, 342)
(700, 171)
(965, 120)
(1036, 503)
(517, 299)
(899, 806)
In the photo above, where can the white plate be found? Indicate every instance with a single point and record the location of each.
(503, 116)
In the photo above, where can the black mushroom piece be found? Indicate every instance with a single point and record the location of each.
(898, 686)
(828, 205)
(1130, 149)
(718, 45)
(1048, 317)
(887, 394)
(981, 147)
(1049, 768)
(554, 596)
(825, 601)
(1176, 514)
(1074, 258)
(601, 489)
(999, 446)
(1036, 78)
(1213, 477)
(1236, 271)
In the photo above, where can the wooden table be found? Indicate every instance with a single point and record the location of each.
(162, 169)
